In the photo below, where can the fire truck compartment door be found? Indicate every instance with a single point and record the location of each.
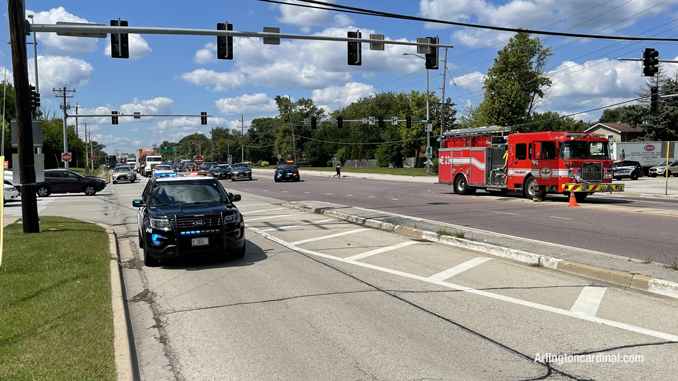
(545, 163)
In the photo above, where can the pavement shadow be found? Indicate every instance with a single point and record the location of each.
(205, 262)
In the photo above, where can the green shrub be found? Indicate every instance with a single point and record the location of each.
(434, 167)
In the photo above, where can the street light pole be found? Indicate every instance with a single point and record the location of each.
(428, 133)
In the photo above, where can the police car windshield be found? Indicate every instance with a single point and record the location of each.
(187, 192)
(286, 166)
(163, 168)
(582, 149)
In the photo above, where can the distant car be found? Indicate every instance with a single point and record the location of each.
(241, 171)
(124, 173)
(188, 216)
(9, 177)
(627, 168)
(207, 165)
(65, 181)
(658, 170)
(187, 167)
(10, 192)
(221, 171)
(163, 170)
(286, 171)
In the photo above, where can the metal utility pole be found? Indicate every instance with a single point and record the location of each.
(443, 109)
(242, 138)
(428, 133)
(35, 61)
(294, 143)
(86, 156)
(91, 149)
(17, 31)
(63, 93)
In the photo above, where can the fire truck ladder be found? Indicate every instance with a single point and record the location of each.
(466, 132)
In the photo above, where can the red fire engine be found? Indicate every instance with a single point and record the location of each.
(534, 163)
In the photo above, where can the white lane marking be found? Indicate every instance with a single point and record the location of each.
(508, 299)
(286, 191)
(265, 190)
(349, 195)
(458, 269)
(329, 193)
(295, 226)
(560, 218)
(307, 192)
(259, 211)
(588, 301)
(381, 250)
(394, 199)
(276, 216)
(371, 197)
(328, 236)
(241, 205)
(494, 211)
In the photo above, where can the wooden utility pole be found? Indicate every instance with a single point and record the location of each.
(18, 28)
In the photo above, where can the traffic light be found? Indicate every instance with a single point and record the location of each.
(119, 41)
(340, 121)
(224, 44)
(114, 117)
(203, 118)
(408, 122)
(35, 98)
(654, 99)
(650, 62)
(381, 122)
(432, 55)
(355, 49)
(314, 123)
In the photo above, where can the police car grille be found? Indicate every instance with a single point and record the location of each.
(210, 221)
(592, 171)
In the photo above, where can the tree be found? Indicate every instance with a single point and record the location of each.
(516, 84)
(261, 139)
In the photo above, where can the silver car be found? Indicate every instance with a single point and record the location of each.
(124, 173)
(658, 170)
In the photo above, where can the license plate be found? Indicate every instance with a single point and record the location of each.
(200, 241)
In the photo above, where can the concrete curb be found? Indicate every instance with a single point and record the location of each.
(619, 278)
(122, 344)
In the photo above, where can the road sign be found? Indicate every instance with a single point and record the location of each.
(137, 115)
(307, 121)
(429, 152)
(394, 121)
(333, 121)
(364, 120)
(428, 162)
(166, 148)
(198, 160)
(370, 120)
(93, 157)
(66, 157)
(429, 127)
(417, 121)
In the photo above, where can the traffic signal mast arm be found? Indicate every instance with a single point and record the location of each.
(131, 115)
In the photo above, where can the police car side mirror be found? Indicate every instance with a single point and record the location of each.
(234, 197)
(138, 203)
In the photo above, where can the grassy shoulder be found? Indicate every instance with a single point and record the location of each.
(55, 303)
(97, 171)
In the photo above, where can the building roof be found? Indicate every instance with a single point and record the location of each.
(616, 127)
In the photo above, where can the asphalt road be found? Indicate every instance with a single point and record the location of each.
(320, 299)
(627, 226)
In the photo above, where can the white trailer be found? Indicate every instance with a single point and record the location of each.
(648, 154)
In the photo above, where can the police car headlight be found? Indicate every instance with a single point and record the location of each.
(231, 218)
(160, 223)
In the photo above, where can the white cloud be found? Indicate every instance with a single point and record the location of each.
(303, 17)
(334, 97)
(138, 47)
(470, 82)
(117, 142)
(301, 64)
(221, 81)
(176, 128)
(537, 14)
(59, 71)
(61, 44)
(475, 38)
(248, 104)
(206, 54)
(341, 20)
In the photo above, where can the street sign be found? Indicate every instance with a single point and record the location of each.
(307, 121)
(279, 156)
(371, 121)
(333, 121)
(417, 121)
(137, 115)
(394, 121)
(166, 148)
(66, 157)
(429, 152)
(198, 160)
(429, 127)
(364, 120)
(428, 162)
(93, 157)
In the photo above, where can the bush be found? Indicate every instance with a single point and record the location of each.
(434, 167)
(263, 163)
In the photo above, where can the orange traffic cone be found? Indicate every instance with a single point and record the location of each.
(573, 200)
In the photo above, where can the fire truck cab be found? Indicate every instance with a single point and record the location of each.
(534, 164)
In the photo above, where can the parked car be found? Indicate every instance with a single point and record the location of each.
(658, 170)
(124, 173)
(627, 168)
(9, 176)
(10, 192)
(241, 171)
(286, 170)
(187, 216)
(221, 171)
(65, 181)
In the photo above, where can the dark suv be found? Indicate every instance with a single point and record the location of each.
(627, 168)
(180, 216)
(286, 170)
(65, 181)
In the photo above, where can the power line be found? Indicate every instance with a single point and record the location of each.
(369, 12)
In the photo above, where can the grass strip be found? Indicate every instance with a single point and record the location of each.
(56, 321)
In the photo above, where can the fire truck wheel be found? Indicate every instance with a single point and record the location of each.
(579, 196)
(532, 190)
(461, 186)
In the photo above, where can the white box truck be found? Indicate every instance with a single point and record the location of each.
(648, 154)
(151, 162)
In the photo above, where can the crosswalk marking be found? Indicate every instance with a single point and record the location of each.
(589, 301)
(328, 236)
(14, 209)
(296, 226)
(458, 269)
(381, 250)
(270, 217)
(259, 211)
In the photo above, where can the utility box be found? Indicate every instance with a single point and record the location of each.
(37, 133)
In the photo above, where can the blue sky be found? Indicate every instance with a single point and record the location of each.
(180, 74)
